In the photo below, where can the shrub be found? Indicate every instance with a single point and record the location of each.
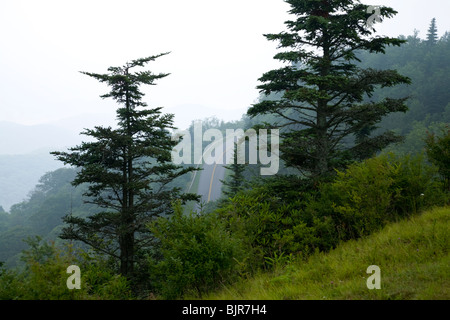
(382, 189)
(275, 224)
(45, 277)
(287, 217)
(438, 151)
(195, 254)
(100, 278)
(416, 185)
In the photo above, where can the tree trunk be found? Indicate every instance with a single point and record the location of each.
(126, 254)
(323, 147)
(322, 142)
(126, 239)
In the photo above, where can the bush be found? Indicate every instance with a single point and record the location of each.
(45, 277)
(101, 280)
(195, 254)
(287, 217)
(416, 184)
(438, 151)
(275, 224)
(382, 189)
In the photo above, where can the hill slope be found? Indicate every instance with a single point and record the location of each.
(413, 257)
(20, 173)
(24, 157)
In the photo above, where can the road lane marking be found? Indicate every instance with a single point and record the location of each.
(212, 175)
(210, 184)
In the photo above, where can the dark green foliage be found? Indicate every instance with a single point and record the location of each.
(127, 169)
(428, 67)
(48, 203)
(45, 276)
(438, 151)
(286, 218)
(271, 216)
(11, 244)
(41, 214)
(379, 190)
(276, 231)
(322, 90)
(196, 254)
(235, 181)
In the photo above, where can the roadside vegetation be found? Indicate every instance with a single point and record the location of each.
(413, 256)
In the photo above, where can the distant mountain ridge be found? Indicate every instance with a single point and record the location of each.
(24, 149)
(19, 175)
(18, 139)
(25, 157)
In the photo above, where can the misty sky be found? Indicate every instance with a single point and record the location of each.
(218, 52)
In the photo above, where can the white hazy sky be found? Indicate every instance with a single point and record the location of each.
(218, 52)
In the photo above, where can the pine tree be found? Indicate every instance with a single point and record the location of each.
(432, 36)
(235, 181)
(325, 97)
(128, 170)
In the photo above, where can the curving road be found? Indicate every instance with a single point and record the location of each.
(210, 186)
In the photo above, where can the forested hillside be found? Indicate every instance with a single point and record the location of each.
(24, 157)
(428, 65)
(20, 173)
(428, 94)
(41, 214)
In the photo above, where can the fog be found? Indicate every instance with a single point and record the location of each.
(218, 52)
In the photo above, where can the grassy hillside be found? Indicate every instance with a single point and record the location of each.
(413, 256)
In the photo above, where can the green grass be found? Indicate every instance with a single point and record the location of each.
(413, 256)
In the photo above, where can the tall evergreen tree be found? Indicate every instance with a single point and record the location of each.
(323, 91)
(432, 36)
(234, 183)
(128, 170)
